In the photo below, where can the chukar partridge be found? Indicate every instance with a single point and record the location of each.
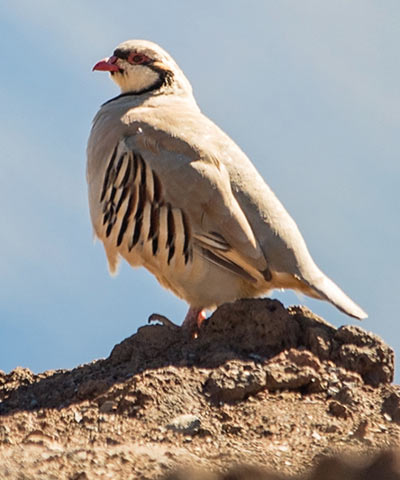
(170, 191)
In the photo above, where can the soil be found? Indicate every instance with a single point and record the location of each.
(261, 389)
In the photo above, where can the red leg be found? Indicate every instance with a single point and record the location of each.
(201, 317)
(194, 318)
(191, 324)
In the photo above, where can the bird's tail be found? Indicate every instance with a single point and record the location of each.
(326, 289)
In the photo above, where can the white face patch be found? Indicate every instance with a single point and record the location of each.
(135, 78)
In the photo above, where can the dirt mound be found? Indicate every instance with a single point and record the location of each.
(261, 385)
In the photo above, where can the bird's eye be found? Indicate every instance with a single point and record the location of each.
(137, 58)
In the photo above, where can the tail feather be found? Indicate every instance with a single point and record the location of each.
(326, 289)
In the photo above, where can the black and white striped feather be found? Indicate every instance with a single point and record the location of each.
(134, 212)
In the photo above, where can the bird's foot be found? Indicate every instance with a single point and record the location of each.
(156, 317)
(194, 318)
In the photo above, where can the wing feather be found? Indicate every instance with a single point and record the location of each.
(199, 185)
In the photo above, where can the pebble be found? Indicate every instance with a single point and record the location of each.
(78, 417)
(186, 423)
(108, 406)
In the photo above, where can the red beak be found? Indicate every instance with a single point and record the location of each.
(107, 65)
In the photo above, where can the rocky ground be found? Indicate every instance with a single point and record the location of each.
(262, 389)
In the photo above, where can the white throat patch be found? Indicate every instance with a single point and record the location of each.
(135, 78)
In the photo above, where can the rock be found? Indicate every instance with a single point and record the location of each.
(158, 340)
(365, 353)
(263, 385)
(234, 382)
(187, 424)
(108, 406)
(19, 375)
(268, 328)
(338, 410)
(391, 406)
(292, 370)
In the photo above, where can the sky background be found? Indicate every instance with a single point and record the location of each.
(310, 91)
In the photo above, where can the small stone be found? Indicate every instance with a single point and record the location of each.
(233, 383)
(292, 370)
(387, 417)
(78, 417)
(316, 436)
(332, 391)
(338, 410)
(391, 407)
(282, 447)
(186, 423)
(108, 406)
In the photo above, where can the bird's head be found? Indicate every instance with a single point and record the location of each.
(140, 66)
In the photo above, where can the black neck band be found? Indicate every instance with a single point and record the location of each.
(165, 78)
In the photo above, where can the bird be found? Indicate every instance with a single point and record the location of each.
(170, 191)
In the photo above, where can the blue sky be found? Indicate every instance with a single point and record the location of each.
(309, 90)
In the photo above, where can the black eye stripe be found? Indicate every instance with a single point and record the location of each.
(123, 54)
(136, 57)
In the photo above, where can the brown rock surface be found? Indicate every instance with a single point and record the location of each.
(272, 388)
